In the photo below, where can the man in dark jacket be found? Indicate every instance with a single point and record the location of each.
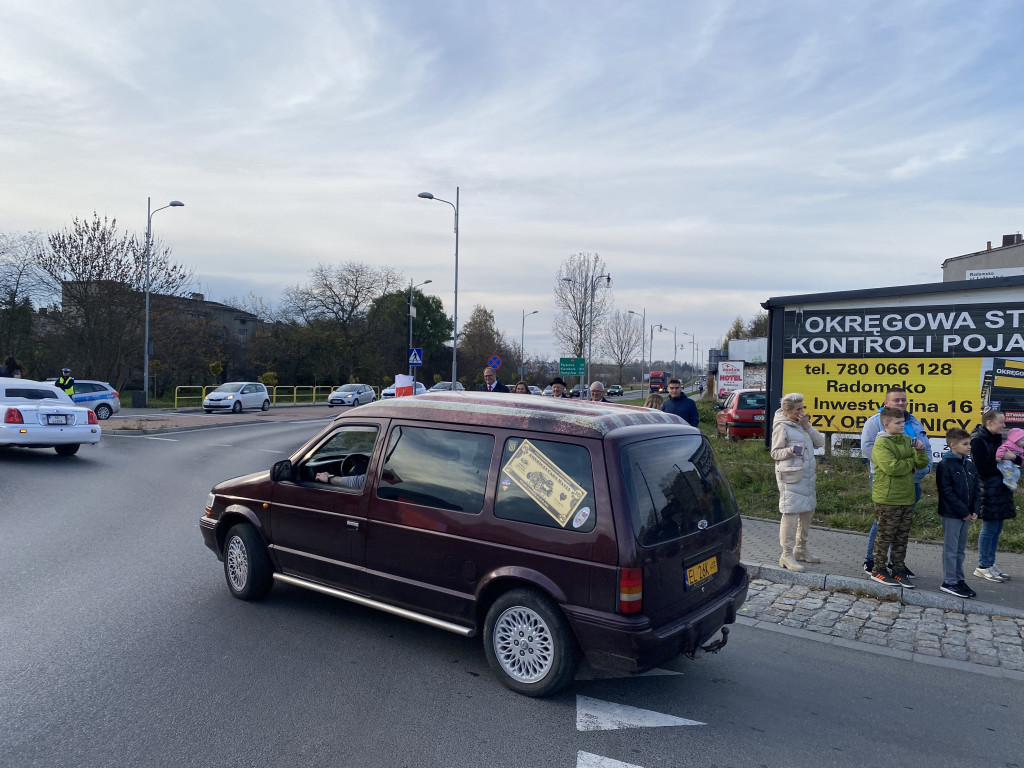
(558, 387)
(492, 383)
(959, 487)
(679, 404)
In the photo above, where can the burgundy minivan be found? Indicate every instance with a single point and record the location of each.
(551, 527)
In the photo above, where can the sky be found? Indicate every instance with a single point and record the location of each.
(713, 153)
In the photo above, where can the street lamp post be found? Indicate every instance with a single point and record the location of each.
(411, 310)
(455, 305)
(522, 343)
(590, 330)
(149, 245)
(643, 327)
(693, 349)
(674, 346)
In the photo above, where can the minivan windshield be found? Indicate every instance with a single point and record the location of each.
(675, 488)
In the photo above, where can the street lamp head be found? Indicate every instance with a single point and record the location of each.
(425, 195)
(177, 204)
(532, 313)
(426, 281)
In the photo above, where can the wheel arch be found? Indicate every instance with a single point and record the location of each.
(233, 515)
(503, 580)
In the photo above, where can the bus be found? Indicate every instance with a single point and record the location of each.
(659, 381)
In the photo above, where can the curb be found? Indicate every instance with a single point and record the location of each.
(905, 596)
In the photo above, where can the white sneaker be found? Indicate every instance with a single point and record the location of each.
(998, 572)
(987, 573)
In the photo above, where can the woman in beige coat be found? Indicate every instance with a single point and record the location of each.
(793, 444)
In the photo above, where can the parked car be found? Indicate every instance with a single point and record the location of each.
(534, 390)
(418, 389)
(446, 386)
(99, 396)
(615, 390)
(351, 394)
(600, 530)
(38, 415)
(743, 414)
(237, 396)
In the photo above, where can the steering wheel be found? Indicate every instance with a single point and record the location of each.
(355, 464)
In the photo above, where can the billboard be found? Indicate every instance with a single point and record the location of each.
(730, 377)
(953, 359)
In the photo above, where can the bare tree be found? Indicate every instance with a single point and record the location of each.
(342, 296)
(21, 289)
(621, 340)
(98, 276)
(580, 299)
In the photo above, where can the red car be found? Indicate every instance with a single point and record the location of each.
(743, 414)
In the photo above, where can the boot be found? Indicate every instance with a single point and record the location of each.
(800, 550)
(787, 538)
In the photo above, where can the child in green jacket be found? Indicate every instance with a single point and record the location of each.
(896, 457)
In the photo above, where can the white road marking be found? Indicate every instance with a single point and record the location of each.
(269, 450)
(168, 439)
(587, 760)
(597, 715)
(222, 445)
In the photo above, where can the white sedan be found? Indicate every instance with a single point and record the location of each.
(38, 415)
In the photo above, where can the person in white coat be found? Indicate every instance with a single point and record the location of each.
(793, 444)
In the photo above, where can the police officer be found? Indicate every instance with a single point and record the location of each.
(66, 381)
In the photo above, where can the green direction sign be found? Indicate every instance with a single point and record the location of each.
(572, 366)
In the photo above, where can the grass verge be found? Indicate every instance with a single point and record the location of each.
(844, 496)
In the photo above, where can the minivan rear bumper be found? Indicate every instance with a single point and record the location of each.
(617, 643)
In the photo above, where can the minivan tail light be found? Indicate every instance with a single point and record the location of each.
(631, 590)
(13, 416)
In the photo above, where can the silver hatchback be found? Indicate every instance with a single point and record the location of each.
(101, 398)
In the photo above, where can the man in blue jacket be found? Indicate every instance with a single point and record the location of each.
(679, 404)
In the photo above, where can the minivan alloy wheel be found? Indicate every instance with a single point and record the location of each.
(523, 644)
(236, 563)
(529, 643)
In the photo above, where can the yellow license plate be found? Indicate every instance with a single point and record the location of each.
(701, 571)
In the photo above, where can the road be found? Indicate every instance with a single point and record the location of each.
(120, 646)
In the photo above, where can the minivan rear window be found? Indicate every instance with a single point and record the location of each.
(548, 483)
(675, 488)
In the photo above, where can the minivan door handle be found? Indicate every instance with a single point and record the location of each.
(352, 525)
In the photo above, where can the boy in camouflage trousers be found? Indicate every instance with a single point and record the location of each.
(896, 457)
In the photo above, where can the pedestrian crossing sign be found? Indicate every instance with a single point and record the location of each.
(416, 356)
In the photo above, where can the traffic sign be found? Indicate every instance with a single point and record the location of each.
(572, 366)
(494, 362)
(416, 356)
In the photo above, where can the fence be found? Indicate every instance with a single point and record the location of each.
(186, 396)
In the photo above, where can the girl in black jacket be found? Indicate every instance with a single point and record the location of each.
(997, 502)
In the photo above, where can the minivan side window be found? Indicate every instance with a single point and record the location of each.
(347, 452)
(546, 483)
(674, 487)
(436, 468)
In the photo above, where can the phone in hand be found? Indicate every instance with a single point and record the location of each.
(798, 450)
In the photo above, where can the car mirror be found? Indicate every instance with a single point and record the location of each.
(282, 471)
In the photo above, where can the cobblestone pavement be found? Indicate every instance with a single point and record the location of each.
(992, 645)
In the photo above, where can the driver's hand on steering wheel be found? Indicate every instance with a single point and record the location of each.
(323, 477)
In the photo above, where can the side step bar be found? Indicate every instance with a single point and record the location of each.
(367, 602)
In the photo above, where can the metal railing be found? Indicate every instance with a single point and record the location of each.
(193, 395)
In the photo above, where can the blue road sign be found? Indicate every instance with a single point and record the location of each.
(416, 356)
(494, 362)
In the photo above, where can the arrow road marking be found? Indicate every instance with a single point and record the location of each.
(597, 715)
(587, 760)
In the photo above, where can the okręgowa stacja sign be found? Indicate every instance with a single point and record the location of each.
(954, 357)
